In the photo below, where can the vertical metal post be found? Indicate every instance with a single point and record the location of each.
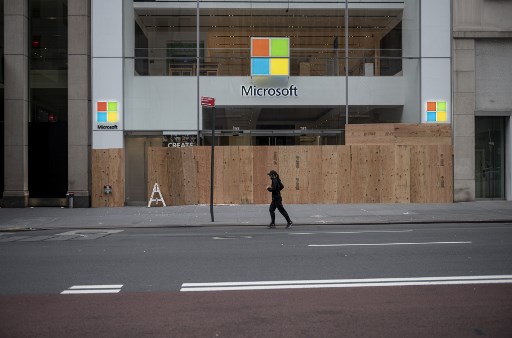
(198, 54)
(212, 165)
(346, 63)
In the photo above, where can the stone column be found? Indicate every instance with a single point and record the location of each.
(79, 101)
(16, 103)
(464, 119)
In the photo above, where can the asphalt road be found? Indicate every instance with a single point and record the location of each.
(382, 280)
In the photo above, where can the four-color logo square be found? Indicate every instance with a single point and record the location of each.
(436, 111)
(107, 112)
(270, 56)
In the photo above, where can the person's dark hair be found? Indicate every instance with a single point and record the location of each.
(273, 173)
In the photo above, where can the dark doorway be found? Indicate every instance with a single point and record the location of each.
(48, 160)
(490, 157)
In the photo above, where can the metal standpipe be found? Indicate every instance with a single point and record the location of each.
(70, 196)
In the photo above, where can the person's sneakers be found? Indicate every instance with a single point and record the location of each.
(289, 225)
(271, 226)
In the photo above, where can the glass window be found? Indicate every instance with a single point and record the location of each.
(48, 60)
(166, 37)
(48, 85)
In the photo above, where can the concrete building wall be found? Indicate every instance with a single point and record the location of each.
(79, 100)
(16, 103)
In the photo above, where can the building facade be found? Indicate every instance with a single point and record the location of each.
(89, 75)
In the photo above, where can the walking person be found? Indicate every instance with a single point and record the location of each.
(277, 201)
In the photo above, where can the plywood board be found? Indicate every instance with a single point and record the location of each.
(107, 169)
(402, 178)
(246, 174)
(311, 174)
(190, 181)
(329, 174)
(159, 172)
(344, 175)
(264, 160)
(420, 175)
(231, 171)
(376, 134)
(175, 174)
(218, 176)
(398, 133)
(358, 168)
(313, 177)
(202, 157)
(387, 181)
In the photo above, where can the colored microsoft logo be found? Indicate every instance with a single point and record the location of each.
(436, 111)
(107, 112)
(270, 56)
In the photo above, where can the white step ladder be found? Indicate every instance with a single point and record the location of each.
(156, 189)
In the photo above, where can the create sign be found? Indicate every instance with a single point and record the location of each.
(207, 101)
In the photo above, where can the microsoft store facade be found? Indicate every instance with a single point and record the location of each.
(276, 69)
(89, 77)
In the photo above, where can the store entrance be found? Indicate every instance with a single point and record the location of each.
(490, 157)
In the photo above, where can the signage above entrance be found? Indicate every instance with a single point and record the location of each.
(270, 56)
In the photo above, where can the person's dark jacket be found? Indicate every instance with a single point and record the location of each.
(275, 188)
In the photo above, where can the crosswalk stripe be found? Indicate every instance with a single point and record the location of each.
(91, 289)
(115, 286)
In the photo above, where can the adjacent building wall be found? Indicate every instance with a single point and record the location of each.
(16, 103)
(473, 22)
(79, 101)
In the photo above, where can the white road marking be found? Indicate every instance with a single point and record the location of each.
(345, 283)
(92, 289)
(86, 232)
(350, 232)
(115, 286)
(386, 244)
(367, 231)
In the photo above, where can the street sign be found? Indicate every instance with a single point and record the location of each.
(207, 101)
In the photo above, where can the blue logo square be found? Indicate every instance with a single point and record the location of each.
(102, 117)
(431, 116)
(260, 66)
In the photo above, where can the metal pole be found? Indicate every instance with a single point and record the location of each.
(212, 165)
(198, 54)
(346, 63)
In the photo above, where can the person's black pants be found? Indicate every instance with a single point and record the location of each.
(278, 204)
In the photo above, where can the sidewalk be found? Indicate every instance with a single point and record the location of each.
(249, 214)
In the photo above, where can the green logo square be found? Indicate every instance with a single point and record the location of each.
(441, 105)
(112, 106)
(279, 47)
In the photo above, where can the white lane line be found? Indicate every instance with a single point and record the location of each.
(81, 292)
(386, 244)
(349, 232)
(344, 283)
(366, 231)
(115, 286)
(91, 289)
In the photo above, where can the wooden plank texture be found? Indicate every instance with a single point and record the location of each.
(107, 169)
(311, 174)
(344, 175)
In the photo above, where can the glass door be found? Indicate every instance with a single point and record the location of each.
(490, 157)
